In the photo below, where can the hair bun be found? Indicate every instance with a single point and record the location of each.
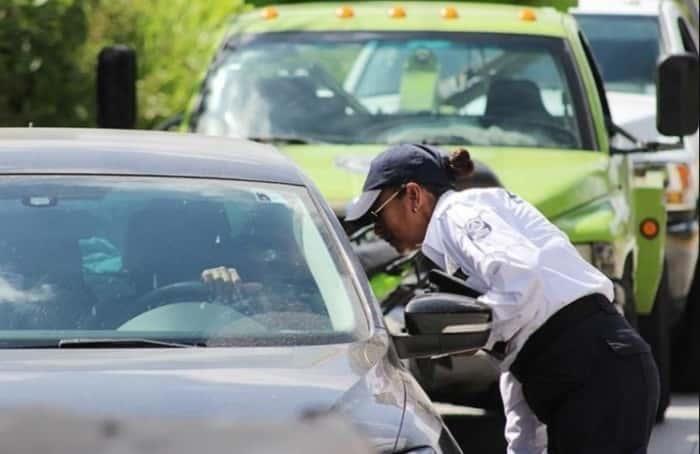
(461, 164)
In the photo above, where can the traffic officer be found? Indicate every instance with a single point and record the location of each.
(569, 360)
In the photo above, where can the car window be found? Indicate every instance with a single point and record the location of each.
(92, 256)
(613, 39)
(467, 88)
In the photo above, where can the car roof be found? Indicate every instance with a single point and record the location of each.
(615, 7)
(147, 153)
(420, 16)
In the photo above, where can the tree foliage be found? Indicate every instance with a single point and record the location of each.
(48, 51)
(41, 79)
(174, 41)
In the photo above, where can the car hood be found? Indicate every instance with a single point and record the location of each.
(555, 181)
(263, 384)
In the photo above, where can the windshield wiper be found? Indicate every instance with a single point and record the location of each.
(445, 140)
(285, 140)
(120, 343)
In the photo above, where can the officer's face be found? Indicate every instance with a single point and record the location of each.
(402, 216)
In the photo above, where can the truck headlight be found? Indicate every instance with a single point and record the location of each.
(679, 191)
(601, 255)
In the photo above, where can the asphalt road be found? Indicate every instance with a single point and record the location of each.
(479, 432)
(679, 433)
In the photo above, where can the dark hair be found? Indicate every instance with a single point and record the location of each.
(459, 166)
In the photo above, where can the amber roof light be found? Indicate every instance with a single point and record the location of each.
(528, 15)
(397, 12)
(345, 12)
(269, 13)
(449, 12)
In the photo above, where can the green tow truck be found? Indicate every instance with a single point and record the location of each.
(333, 85)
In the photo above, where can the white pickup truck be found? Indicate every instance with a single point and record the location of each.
(627, 38)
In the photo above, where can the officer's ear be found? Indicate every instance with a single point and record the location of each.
(414, 196)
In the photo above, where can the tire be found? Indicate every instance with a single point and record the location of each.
(654, 329)
(685, 360)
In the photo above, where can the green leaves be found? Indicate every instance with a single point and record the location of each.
(48, 52)
(40, 78)
(174, 41)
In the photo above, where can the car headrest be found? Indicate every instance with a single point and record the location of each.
(171, 241)
(514, 98)
(271, 225)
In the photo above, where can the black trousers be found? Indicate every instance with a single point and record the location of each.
(593, 382)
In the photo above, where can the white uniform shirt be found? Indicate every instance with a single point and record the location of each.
(526, 268)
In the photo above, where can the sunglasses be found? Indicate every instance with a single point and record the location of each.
(375, 213)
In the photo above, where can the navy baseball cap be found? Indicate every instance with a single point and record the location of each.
(401, 164)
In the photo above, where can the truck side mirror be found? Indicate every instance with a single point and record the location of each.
(677, 95)
(441, 324)
(116, 87)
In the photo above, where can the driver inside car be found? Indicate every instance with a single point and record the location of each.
(274, 263)
(173, 242)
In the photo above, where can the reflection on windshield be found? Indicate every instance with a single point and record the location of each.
(389, 87)
(106, 257)
(613, 39)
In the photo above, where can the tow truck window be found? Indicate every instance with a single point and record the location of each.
(466, 88)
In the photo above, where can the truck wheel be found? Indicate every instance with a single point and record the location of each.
(685, 373)
(655, 330)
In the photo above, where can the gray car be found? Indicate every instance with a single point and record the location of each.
(103, 240)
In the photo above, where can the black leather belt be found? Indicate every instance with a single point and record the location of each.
(562, 321)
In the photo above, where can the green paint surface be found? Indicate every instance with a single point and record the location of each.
(555, 181)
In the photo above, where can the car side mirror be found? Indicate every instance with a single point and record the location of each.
(677, 95)
(116, 88)
(440, 324)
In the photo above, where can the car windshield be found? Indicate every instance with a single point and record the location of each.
(614, 38)
(392, 87)
(115, 258)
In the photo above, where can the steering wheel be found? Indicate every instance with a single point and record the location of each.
(174, 293)
(178, 292)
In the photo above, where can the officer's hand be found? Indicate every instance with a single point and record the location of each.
(224, 283)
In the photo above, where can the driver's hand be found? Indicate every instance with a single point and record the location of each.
(224, 283)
